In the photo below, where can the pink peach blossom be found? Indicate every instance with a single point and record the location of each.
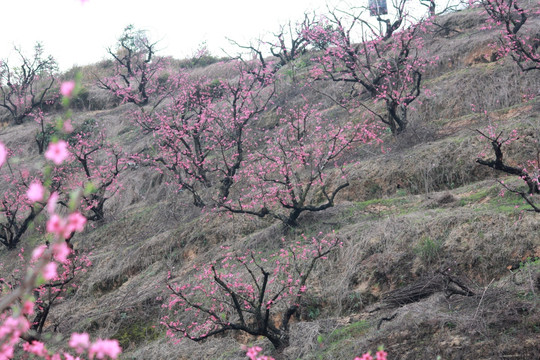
(253, 352)
(35, 347)
(36, 254)
(68, 126)
(61, 251)
(102, 348)
(3, 154)
(79, 342)
(51, 203)
(56, 225)
(49, 271)
(57, 152)
(28, 307)
(35, 191)
(67, 87)
(76, 222)
(70, 357)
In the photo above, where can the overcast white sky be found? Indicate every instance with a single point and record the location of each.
(78, 33)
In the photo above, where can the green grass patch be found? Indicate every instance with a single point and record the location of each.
(333, 341)
(479, 195)
(530, 262)
(509, 209)
(428, 249)
(509, 203)
(137, 333)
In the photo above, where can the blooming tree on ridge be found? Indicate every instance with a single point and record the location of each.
(522, 45)
(388, 70)
(136, 68)
(26, 87)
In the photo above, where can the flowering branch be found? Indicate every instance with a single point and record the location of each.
(24, 89)
(529, 173)
(511, 17)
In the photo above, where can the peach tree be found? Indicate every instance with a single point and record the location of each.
(249, 292)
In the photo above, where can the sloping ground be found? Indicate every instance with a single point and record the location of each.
(412, 219)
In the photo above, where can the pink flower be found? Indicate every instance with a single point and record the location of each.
(51, 203)
(28, 307)
(25, 174)
(61, 252)
(49, 271)
(70, 357)
(67, 87)
(253, 352)
(366, 356)
(68, 127)
(76, 222)
(79, 342)
(102, 348)
(56, 225)
(6, 352)
(381, 355)
(3, 154)
(57, 152)
(36, 254)
(35, 191)
(13, 325)
(35, 347)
